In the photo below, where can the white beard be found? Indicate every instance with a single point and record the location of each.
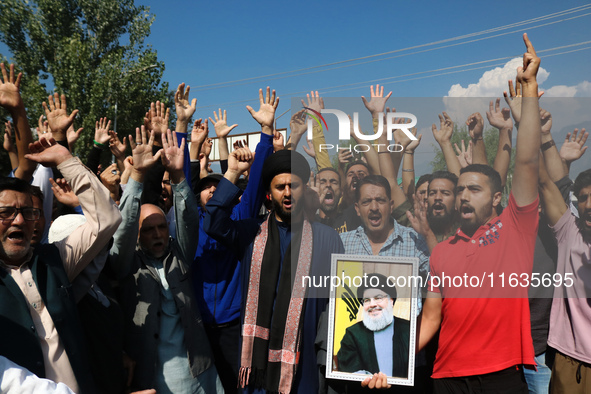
(380, 322)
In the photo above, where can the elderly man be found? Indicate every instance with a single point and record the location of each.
(379, 343)
(278, 323)
(164, 331)
(40, 325)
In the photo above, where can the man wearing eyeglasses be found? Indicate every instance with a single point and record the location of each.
(380, 342)
(39, 325)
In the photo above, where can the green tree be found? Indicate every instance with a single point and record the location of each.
(92, 51)
(491, 142)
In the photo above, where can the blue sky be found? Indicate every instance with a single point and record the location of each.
(212, 42)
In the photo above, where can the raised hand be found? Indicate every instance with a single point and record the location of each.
(8, 144)
(63, 192)
(199, 132)
(10, 97)
(298, 128)
(446, 129)
(309, 149)
(345, 157)
(73, 135)
(475, 125)
(220, 124)
(527, 74)
(419, 221)
(57, 115)
(239, 161)
(173, 156)
(111, 178)
(157, 118)
(574, 146)
(513, 100)
(464, 155)
(277, 141)
(240, 144)
(414, 144)
(266, 113)
(142, 150)
(377, 102)
(545, 121)
(117, 147)
(499, 118)
(315, 102)
(184, 110)
(48, 152)
(207, 145)
(101, 131)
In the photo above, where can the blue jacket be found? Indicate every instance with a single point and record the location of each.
(216, 272)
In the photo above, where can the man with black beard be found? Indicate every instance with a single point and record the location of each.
(348, 220)
(441, 199)
(279, 325)
(328, 182)
(380, 342)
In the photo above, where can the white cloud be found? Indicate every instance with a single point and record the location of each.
(494, 82)
(582, 89)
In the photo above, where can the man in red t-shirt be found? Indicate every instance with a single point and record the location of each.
(484, 317)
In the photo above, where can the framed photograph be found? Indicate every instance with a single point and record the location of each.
(372, 318)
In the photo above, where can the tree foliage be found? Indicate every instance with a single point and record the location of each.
(92, 51)
(491, 142)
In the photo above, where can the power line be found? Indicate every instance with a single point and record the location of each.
(492, 30)
(338, 88)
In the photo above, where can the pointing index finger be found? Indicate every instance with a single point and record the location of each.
(528, 45)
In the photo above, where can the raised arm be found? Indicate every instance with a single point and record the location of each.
(185, 203)
(555, 166)
(297, 126)
(443, 138)
(573, 147)
(266, 113)
(525, 177)
(475, 125)
(222, 130)
(408, 165)
(11, 99)
(124, 240)
(102, 215)
(9, 147)
(57, 117)
(553, 205)
(501, 120)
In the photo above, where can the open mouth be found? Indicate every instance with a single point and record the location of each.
(287, 204)
(329, 198)
(438, 209)
(16, 236)
(374, 219)
(466, 211)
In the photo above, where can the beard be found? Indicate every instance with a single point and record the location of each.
(439, 223)
(380, 322)
(285, 215)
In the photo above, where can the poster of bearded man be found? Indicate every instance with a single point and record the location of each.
(372, 318)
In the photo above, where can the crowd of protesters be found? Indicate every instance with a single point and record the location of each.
(155, 274)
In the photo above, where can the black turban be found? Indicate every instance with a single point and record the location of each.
(285, 161)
